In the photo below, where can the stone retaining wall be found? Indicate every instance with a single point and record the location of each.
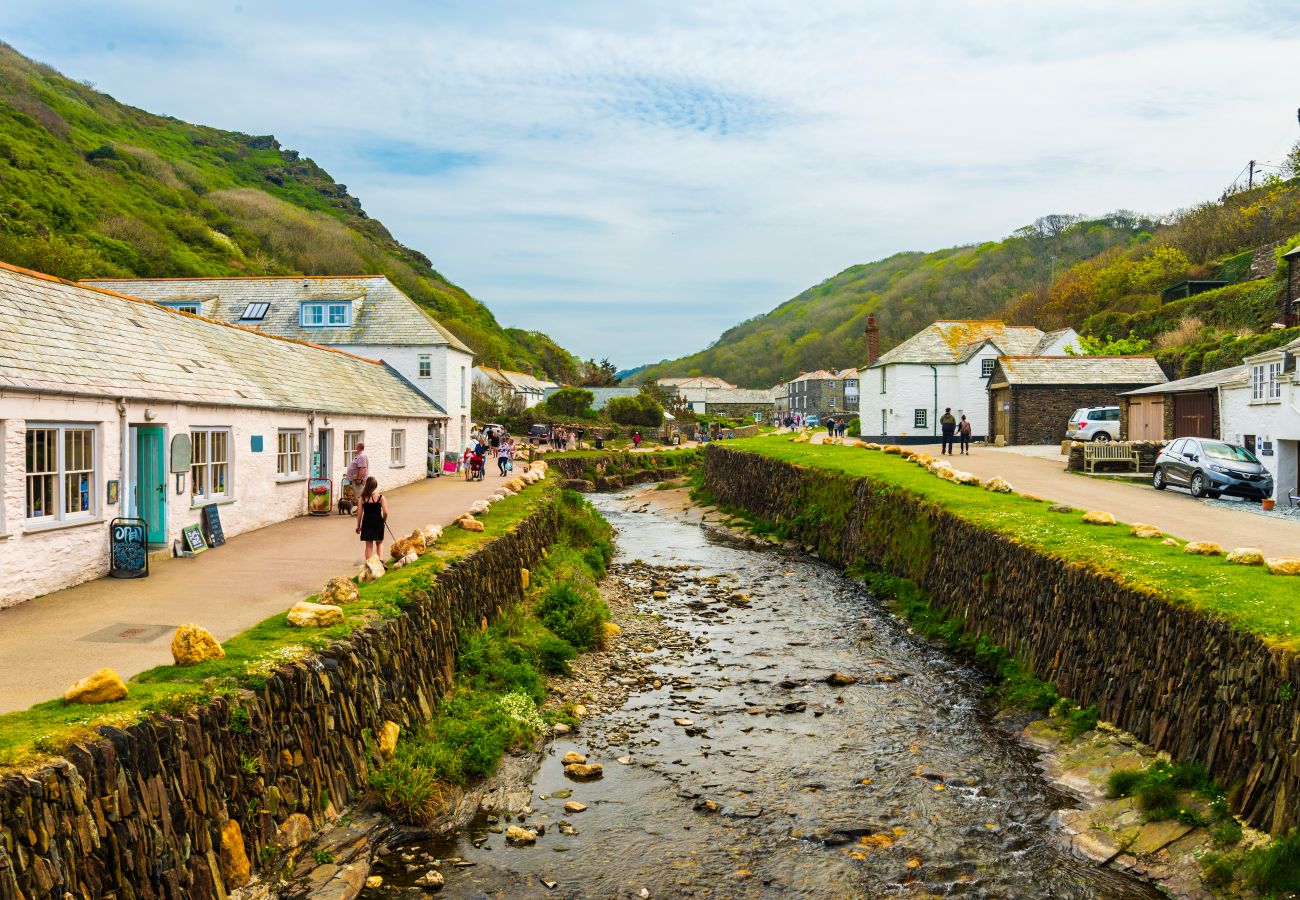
(171, 807)
(1178, 679)
(616, 470)
(1147, 452)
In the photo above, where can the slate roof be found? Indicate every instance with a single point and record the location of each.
(696, 381)
(381, 313)
(1068, 370)
(956, 341)
(738, 395)
(62, 336)
(1205, 382)
(520, 381)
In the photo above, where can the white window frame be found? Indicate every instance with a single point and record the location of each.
(1257, 382)
(350, 441)
(285, 467)
(1275, 380)
(883, 369)
(832, 401)
(192, 307)
(986, 367)
(202, 470)
(61, 473)
(424, 365)
(397, 448)
(920, 418)
(325, 314)
(463, 399)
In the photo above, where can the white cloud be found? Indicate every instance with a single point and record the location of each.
(633, 182)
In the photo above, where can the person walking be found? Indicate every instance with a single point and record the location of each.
(949, 425)
(963, 433)
(636, 440)
(503, 456)
(372, 517)
(830, 427)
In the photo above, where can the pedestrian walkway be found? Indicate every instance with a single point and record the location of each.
(1172, 511)
(48, 643)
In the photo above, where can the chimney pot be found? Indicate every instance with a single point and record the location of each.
(873, 339)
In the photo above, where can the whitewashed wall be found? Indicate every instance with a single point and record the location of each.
(1277, 421)
(443, 384)
(910, 386)
(36, 561)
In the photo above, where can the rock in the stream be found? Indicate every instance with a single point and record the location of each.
(433, 878)
(584, 771)
(517, 835)
(573, 757)
(839, 679)
(573, 806)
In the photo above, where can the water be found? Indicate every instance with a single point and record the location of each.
(782, 785)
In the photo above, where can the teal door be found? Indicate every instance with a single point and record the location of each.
(151, 481)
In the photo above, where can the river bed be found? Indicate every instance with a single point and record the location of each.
(747, 774)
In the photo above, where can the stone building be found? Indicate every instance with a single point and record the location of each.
(1188, 407)
(736, 403)
(1031, 398)
(945, 365)
(825, 393)
(113, 406)
(363, 314)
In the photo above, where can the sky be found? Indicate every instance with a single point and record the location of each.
(635, 178)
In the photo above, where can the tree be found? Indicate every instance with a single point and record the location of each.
(1292, 164)
(571, 401)
(598, 374)
(641, 410)
(1092, 345)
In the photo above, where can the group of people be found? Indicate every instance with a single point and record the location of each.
(565, 438)
(952, 427)
(837, 428)
(490, 443)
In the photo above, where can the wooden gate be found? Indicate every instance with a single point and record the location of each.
(1146, 418)
(1193, 415)
(1001, 414)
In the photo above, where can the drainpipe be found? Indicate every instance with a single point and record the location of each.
(123, 504)
(934, 422)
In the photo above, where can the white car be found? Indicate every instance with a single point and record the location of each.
(1094, 423)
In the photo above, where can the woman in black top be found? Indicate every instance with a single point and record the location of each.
(372, 513)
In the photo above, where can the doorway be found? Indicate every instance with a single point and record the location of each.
(151, 481)
(324, 450)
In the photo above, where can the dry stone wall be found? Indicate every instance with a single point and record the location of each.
(1182, 681)
(184, 807)
(612, 471)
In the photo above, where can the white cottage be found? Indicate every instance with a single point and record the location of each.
(363, 314)
(112, 406)
(1261, 411)
(948, 364)
(506, 385)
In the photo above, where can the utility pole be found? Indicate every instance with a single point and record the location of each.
(1250, 180)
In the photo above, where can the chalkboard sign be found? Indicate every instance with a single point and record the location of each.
(128, 542)
(212, 526)
(192, 539)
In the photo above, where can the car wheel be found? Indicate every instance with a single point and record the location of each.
(1198, 485)
(1158, 480)
(1100, 437)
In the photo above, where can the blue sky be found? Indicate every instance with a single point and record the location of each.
(633, 179)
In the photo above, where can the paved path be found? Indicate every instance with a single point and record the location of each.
(43, 646)
(1173, 511)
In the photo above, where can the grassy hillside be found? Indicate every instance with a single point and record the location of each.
(90, 187)
(1101, 276)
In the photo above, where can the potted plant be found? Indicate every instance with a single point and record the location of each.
(1267, 503)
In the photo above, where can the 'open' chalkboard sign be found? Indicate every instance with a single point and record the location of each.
(128, 548)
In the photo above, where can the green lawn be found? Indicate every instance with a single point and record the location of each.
(1246, 596)
(44, 729)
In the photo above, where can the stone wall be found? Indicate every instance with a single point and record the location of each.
(1180, 680)
(1146, 451)
(1039, 414)
(171, 807)
(612, 471)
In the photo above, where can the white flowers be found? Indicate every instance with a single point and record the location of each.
(519, 707)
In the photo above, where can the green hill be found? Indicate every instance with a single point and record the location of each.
(90, 187)
(1102, 276)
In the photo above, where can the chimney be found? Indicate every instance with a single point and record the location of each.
(873, 339)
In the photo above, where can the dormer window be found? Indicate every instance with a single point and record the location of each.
(986, 367)
(326, 314)
(185, 306)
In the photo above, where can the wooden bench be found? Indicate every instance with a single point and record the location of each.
(1109, 453)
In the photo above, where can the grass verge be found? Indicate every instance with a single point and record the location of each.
(496, 702)
(28, 736)
(1247, 597)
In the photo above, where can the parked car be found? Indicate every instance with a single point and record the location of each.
(812, 421)
(1209, 468)
(1094, 423)
(539, 434)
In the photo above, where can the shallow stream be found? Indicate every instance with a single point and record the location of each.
(748, 775)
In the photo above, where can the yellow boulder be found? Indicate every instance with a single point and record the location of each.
(388, 735)
(1246, 556)
(1170, 542)
(402, 547)
(235, 870)
(1203, 548)
(893, 449)
(469, 523)
(1142, 530)
(105, 686)
(338, 591)
(373, 570)
(1283, 565)
(871, 445)
(193, 644)
(314, 615)
(998, 485)
(416, 538)
(1098, 517)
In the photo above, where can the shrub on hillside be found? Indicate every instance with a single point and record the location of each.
(642, 410)
(571, 401)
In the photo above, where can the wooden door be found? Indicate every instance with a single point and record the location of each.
(1001, 414)
(1193, 415)
(1146, 419)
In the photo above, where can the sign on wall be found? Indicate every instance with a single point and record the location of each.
(182, 453)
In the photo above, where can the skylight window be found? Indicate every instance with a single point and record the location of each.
(254, 312)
